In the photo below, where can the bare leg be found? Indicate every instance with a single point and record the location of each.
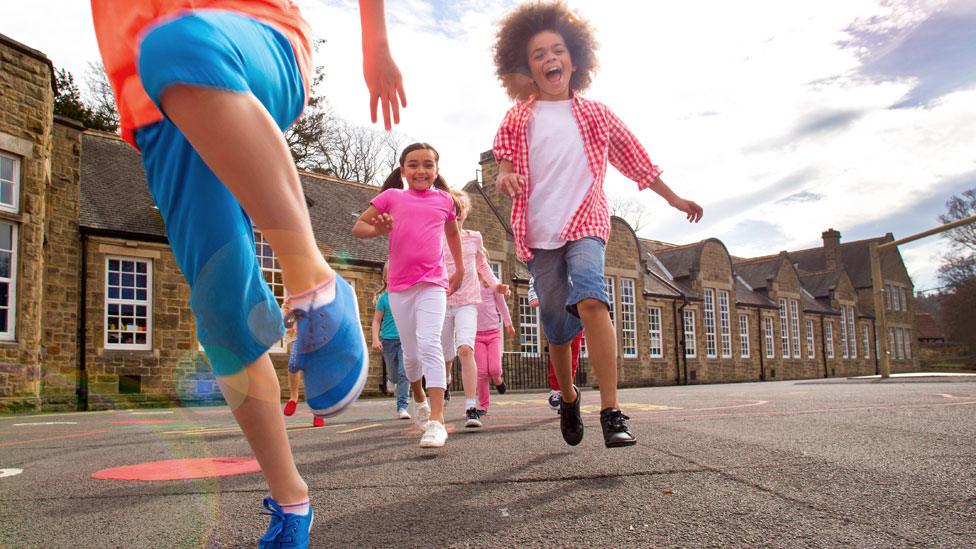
(417, 388)
(242, 145)
(469, 372)
(602, 344)
(253, 395)
(436, 403)
(563, 368)
(293, 378)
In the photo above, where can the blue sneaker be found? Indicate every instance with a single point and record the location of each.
(286, 530)
(331, 350)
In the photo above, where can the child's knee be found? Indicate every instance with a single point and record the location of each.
(591, 306)
(465, 352)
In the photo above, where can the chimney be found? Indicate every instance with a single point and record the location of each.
(831, 245)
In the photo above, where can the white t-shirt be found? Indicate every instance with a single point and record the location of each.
(559, 174)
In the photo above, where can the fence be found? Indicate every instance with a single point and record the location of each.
(522, 371)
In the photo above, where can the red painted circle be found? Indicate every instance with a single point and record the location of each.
(181, 469)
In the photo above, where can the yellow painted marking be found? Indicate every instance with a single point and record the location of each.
(364, 427)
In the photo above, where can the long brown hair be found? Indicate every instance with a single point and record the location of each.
(395, 180)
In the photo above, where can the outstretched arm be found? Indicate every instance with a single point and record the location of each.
(380, 71)
(372, 223)
(692, 210)
(453, 234)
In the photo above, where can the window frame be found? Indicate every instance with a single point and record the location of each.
(628, 317)
(725, 324)
(866, 334)
(744, 336)
(769, 336)
(784, 328)
(15, 183)
(260, 244)
(711, 344)
(11, 308)
(843, 332)
(496, 268)
(852, 331)
(148, 303)
(691, 336)
(612, 295)
(811, 342)
(528, 326)
(829, 338)
(795, 327)
(655, 317)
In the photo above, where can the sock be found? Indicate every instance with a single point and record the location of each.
(469, 403)
(315, 297)
(301, 508)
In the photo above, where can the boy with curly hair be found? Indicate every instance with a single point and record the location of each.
(544, 56)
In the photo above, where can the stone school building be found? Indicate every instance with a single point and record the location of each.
(94, 312)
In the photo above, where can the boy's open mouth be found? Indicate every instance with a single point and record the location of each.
(554, 75)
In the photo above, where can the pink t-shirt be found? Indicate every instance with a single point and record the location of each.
(417, 239)
(475, 262)
(492, 305)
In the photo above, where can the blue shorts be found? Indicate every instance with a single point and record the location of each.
(237, 315)
(564, 277)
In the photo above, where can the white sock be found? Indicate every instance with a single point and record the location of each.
(469, 403)
(316, 297)
(301, 508)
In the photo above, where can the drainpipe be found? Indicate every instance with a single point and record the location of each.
(877, 363)
(762, 337)
(82, 385)
(823, 343)
(679, 343)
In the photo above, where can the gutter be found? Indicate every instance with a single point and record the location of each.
(760, 331)
(81, 389)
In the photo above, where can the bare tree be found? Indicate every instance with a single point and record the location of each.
(101, 100)
(959, 265)
(630, 209)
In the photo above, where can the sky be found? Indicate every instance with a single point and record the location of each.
(782, 119)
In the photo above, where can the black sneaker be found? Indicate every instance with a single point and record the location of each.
(501, 388)
(554, 398)
(616, 430)
(473, 420)
(570, 422)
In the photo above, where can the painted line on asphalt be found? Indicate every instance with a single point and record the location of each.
(48, 439)
(46, 423)
(362, 428)
(10, 472)
(152, 413)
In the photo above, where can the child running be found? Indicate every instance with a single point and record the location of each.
(555, 393)
(417, 220)
(552, 150)
(461, 320)
(294, 374)
(492, 312)
(230, 76)
(386, 339)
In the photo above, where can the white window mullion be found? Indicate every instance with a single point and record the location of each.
(784, 329)
(725, 323)
(128, 303)
(710, 349)
(829, 339)
(795, 327)
(8, 281)
(691, 343)
(743, 336)
(654, 330)
(768, 335)
(628, 318)
(811, 350)
(528, 327)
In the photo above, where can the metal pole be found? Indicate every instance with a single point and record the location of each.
(930, 232)
(880, 323)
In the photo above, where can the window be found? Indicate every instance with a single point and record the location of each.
(811, 350)
(9, 183)
(710, 350)
(654, 328)
(852, 332)
(887, 294)
(908, 343)
(867, 341)
(899, 344)
(768, 335)
(784, 330)
(8, 280)
(843, 331)
(128, 303)
(496, 268)
(724, 323)
(795, 326)
(528, 327)
(628, 317)
(743, 336)
(271, 270)
(904, 298)
(891, 342)
(691, 343)
(613, 300)
(830, 339)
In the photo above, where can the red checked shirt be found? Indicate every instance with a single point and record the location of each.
(605, 138)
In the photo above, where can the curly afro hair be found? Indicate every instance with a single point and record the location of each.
(519, 26)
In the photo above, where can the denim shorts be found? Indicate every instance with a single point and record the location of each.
(237, 316)
(564, 277)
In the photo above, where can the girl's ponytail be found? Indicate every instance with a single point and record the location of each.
(394, 180)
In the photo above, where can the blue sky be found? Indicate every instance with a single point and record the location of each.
(782, 120)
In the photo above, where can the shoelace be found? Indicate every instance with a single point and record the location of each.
(617, 421)
(283, 525)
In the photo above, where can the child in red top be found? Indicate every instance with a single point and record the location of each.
(552, 150)
(204, 89)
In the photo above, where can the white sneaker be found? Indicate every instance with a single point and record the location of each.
(390, 388)
(402, 413)
(423, 414)
(434, 436)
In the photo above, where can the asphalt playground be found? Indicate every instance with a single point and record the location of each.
(817, 463)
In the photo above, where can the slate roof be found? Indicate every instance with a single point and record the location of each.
(681, 260)
(112, 174)
(654, 277)
(820, 284)
(855, 255)
(749, 297)
(758, 272)
(812, 305)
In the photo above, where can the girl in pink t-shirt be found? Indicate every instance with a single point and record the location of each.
(488, 344)
(415, 219)
(461, 320)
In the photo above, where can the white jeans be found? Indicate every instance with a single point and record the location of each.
(418, 313)
(460, 328)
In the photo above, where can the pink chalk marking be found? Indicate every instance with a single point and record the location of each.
(181, 469)
(143, 422)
